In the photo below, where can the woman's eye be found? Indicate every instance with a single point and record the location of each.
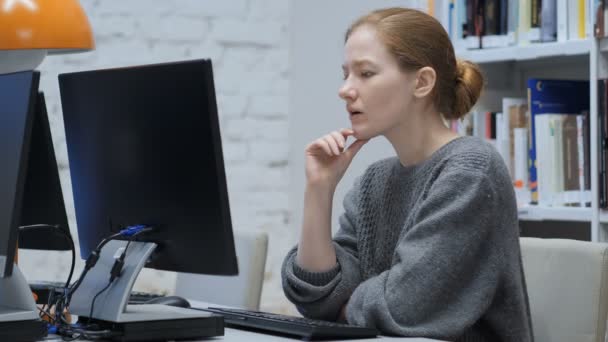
(367, 74)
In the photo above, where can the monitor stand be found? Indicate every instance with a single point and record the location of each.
(19, 318)
(136, 321)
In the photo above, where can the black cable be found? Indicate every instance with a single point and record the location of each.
(114, 273)
(117, 267)
(95, 298)
(47, 314)
(91, 261)
(66, 234)
(74, 333)
(64, 300)
(67, 283)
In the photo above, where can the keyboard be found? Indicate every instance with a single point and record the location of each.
(43, 289)
(142, 297)
(309, 329)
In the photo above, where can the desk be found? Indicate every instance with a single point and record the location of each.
(242, 335)
(237, 335)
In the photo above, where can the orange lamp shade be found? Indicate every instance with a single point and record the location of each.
(58, 26)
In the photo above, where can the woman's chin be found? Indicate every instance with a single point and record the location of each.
(360, 133)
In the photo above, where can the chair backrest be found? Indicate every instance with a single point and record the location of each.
(567, 284)
(241, 291)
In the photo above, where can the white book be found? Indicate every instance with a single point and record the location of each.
(573, 20)
(562, 20)
(442, 13)
(479, 124)
(501, 141)
(541, 129)
(589, 18)
(580, 144)
(459, 18)
(520, 174)
(507, 103)
(520, 177)
(513, 21)
(525, 7)
(549, 158)
(548, 21)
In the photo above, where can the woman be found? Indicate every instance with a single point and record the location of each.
(428, 245)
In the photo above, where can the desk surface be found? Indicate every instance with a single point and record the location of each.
(237, 335)
(242, 335)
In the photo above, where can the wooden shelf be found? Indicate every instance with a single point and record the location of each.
(535, 213)
(529, 52)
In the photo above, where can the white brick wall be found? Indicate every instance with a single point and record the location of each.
(248, 43)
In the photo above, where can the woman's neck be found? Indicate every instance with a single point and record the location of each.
(419, 136)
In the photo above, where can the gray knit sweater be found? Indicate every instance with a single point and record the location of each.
(430, 250)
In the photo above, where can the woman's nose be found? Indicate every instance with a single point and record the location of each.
(346, 92)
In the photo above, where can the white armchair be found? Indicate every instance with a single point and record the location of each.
(241, 291)
(567, 284)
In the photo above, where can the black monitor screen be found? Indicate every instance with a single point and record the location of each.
(144, 148)
(43, 202)
(17, 100)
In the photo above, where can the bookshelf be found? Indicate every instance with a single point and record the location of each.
(506, 70)
(536, 213)
(558, 59)
(529, 52)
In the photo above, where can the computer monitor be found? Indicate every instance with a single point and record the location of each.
(144, 148)
(42, 203)
(18, 315)
(17, 104)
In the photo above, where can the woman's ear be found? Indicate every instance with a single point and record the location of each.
(425, 81)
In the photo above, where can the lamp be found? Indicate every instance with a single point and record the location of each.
(31, 29)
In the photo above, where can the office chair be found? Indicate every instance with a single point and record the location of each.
(567, 284)
(242, 291)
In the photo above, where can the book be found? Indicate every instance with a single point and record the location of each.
(546, 96)
(570, 154)
(515, 109)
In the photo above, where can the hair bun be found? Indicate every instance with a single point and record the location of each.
(468, 86)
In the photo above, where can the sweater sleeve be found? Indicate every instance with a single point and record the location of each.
(446, 267)
(321, 295)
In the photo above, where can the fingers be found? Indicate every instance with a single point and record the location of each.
(334, 143)
(346, 132)
(324, 145)
(340, 139)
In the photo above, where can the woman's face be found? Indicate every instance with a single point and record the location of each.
(377, 92)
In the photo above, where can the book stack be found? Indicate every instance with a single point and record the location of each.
(476, 24)
(544, 141)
